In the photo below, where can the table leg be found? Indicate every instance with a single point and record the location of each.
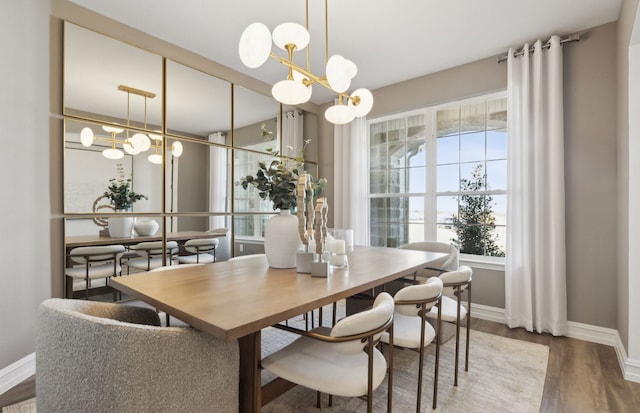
(250, 382)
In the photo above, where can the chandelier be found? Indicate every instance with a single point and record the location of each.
(255, 49)
(135, 144)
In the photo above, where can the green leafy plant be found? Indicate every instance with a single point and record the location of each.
(119, 191)
(277, 181)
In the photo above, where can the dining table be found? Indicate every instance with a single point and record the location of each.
(236, 299)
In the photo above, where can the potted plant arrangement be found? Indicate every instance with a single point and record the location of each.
(277, 181)
(122, 198)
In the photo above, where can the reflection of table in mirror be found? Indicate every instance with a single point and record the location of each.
(94, 240)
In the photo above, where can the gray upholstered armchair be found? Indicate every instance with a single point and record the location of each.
(105, 357)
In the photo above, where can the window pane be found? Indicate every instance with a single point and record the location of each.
(377, 235)
(497, 175)
(416, 154)
(448, 149)
(416, 179)
(497, 114)
(415, 127)
(499, 208)
(447, 209)
(377, 209)
(378, 156)
(448, 122)
(416, 209)
(445, 233)
(497, 144)
(397, 155)
(378, 133)
(398, 209)
(472, 147)
(472, 176)
(416, 233)
(448, 178)
(397, 181)
(472, 117)
(396, 130)
(378, 182)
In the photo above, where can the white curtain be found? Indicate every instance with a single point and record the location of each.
(218, 180)
(292, 133)
(350, 179)
(535, 265)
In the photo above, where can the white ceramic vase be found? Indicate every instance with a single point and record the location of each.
(281, 240)
(120, 227)
(145, 227)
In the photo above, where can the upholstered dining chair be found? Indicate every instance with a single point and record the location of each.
(455, 283)
(95, 262)
(107, 357)
(203, 251)
(411, 329)
(343, 360)
(437, 267)
(150, 255)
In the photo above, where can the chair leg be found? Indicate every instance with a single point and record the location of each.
(437, 361)
(318, 399)
(466, 358)
(455, 377)
(420, 361)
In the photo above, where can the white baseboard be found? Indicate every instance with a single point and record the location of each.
(601, 335)
(17, 372)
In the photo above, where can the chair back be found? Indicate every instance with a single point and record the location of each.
(154, 248)
(196, 246)
(409, 300)
(373, 321)
(96, 255)
(456, 280)
(448, 263)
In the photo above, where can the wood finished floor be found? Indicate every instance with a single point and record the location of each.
(581, 377)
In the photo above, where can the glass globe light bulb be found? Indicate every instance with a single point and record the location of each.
(255, 45)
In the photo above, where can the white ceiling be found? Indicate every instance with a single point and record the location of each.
(390, 41)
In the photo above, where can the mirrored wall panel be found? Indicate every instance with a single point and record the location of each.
(255, 121)
(199, 180)
(198, 104)
(111, 81)
(90, 173)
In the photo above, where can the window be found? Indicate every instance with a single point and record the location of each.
(440, 174)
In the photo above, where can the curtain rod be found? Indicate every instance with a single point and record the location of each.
(571, 38)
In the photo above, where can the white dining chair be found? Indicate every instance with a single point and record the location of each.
(102, 261)
(202, 251)
(150, 255)
(439, 266)
(343, 360)
(455, 283)
(412, 330)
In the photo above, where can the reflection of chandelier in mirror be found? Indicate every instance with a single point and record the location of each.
(255, 49)
(156, 157)
(139, 142)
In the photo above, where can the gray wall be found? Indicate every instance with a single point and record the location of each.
(590, 163)
(25, 207)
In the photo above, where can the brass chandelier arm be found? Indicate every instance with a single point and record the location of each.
(313, 78)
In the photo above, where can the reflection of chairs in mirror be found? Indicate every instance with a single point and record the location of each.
(92, 263)
(150, 255)
(202, 251)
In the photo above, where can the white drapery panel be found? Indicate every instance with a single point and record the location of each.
(535, 271)
(350, 179)
(218, 179)
(292, 133)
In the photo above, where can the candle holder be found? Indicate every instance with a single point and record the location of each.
(338, 257)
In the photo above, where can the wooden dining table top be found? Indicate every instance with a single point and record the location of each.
(232, 299)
